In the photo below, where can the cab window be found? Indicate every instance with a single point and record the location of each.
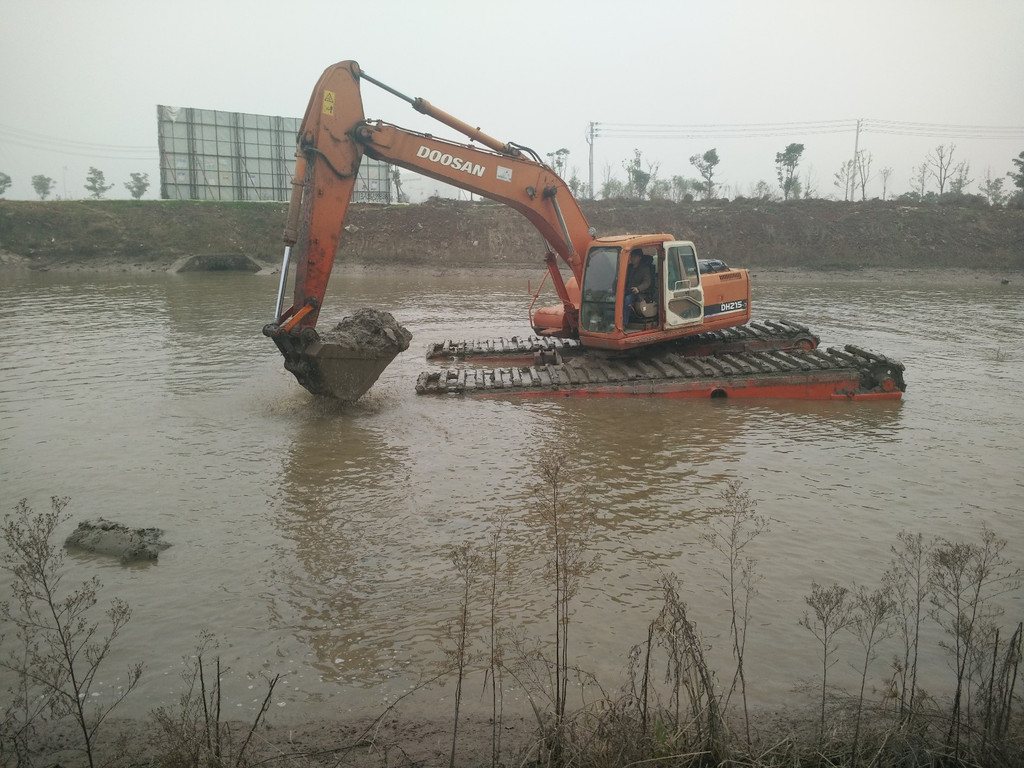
(682, 267)
(599, 283)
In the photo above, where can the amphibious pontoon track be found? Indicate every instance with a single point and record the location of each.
(847, 373)
(754, 336)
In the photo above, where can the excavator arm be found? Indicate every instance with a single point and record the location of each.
(333, 138)
(335, 135)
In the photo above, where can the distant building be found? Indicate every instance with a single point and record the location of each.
(210, 155)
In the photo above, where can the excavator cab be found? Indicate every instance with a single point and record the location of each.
(679, 299)
(609, 305)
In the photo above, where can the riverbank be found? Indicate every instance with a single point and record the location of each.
(908, 277)
(440, 235)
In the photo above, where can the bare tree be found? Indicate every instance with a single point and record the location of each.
(863, 172)
(940, 165)
(919, 181)
(886, 174)
(611, 186)
(843, 178)
(992, 189)
(958, 180)
(809, 185)
(762, 190)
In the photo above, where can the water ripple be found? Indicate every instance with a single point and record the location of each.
(320, 533)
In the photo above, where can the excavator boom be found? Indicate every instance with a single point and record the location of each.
(333, 138)
(335, 135)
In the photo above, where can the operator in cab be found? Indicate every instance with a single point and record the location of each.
(638, 283)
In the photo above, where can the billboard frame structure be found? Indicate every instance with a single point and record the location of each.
(208, 154)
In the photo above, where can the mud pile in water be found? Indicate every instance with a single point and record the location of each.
(105, 537)
(370, 330)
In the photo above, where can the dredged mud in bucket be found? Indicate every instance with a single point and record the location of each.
(344, 362)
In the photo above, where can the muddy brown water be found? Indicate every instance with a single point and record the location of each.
(313, 541)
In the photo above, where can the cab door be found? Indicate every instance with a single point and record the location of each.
(684, 295)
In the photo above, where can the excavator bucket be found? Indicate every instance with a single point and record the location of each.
(346, 361)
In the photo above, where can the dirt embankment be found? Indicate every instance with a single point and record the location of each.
(445, 234)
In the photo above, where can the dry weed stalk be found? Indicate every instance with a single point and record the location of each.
(871, 612)
(735, 524)
(499, 571)
(569, 523)
(467, 565)
(193, 734)
(831, 616)
(965, 579)
(907, 579)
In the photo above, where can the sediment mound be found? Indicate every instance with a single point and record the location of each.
(371, 330)
(129, 545)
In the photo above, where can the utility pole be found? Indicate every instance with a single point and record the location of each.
(590, 140)
(856, 162)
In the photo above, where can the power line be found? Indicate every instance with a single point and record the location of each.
(34, 135)
(765, 130)
(721, 130)
(32, 140)
(941, 130)
(681, 133)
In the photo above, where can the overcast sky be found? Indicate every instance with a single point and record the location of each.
(82, 78)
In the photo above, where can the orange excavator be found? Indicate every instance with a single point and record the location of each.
(598, 309)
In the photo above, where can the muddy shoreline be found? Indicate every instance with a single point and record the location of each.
(939, 276)
(444, 235)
